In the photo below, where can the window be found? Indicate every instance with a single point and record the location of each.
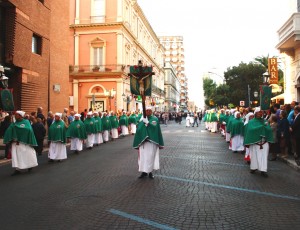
(98, 11)
(36, 44)
(98, 56)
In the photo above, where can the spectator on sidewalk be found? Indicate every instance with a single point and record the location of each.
(3, 127)
(39, 133)
(295, 130)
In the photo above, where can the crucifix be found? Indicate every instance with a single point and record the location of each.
(141, 81)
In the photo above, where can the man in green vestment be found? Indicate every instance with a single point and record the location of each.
(99, 129)
(114, 125)
(90, 128)
(148, 140)
(123, 122)
(77, 133)
(57, 139)
(132, 120)
(258, 135)
(106, 127)
(21, 135)
(237, 133)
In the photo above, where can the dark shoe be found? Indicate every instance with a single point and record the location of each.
(29, 170)
(90, 148)
(252, 171)
(50, 160)
(151, 176)
(143, 175)
(264, 174)
(16, 172)
(76, 152)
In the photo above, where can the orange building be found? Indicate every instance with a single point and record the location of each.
(34, 52)
(106, 37)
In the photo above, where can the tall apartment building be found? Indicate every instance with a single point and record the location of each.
(106, 37)
(34, 52)
(174, 53)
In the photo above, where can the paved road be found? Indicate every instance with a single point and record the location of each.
(201, 185)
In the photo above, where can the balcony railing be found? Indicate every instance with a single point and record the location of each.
(157, 90)
(74, 69)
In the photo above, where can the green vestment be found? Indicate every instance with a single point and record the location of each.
(20, 131)
(237, 127)
(98, 124)
(57, 132)
(132, 119)
(114, 122)
(257, 129)
(151, 132)
(76, 130)
(123, 120)
(90, 126)
(106, 123)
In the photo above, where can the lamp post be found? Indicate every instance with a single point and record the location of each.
(266, 78)
(127, 99)
(110, 94)
(265, 92)
(3, 78)
(222, 77)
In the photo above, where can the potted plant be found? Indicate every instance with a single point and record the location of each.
(96, 69)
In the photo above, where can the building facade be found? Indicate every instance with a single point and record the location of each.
(106, 37)
(172, 89)
(34, 52)
(174, 53)
(289, 47)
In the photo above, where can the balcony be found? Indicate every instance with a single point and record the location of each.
(289, 35)
(77, 69)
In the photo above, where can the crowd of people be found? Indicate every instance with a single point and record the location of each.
(24, 134)
(260, 135)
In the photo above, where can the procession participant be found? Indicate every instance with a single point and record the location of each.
(237, 133)
(132, 120)
(90, 128)
(214, 121)
(258, 135)
(248, 117)
(114, 126)
(57, 139)
(123, 122)
(148, 140)
(22, 139)
(188, 120)
(222, 122)
(106, 127)
(228, 136)
(77, 133)
(99, 129)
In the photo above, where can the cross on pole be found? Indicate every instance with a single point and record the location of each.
(141, 81)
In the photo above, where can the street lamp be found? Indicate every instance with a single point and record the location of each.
(222, 77)
(266, 77)
(127, 99)
(110, 94)
(3, 78)
(255, 94)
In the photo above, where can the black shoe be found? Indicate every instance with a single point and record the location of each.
(16, 172)
(143, 175)
(29, 170)
(264, 174)
(90, 148)
(151, 176)
(76, 152)
(252, 171)
(50, 160)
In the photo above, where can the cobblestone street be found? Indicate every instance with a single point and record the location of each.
(201, 185)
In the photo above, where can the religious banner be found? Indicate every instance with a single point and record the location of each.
(7, 100)
(273, 70)
(265, 98)
(141, 80)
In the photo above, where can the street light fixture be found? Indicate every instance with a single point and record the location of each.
(222, 77)
(110, 94)
(255, 94)
(3, 78)
(266, 77)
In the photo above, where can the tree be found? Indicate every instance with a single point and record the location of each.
(239, 77)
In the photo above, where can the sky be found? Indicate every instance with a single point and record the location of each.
(218, 34)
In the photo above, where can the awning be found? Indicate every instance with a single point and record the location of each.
(276, 88)
(278, 97)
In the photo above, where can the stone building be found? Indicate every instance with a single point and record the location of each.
(106, 37)
(34, 52)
